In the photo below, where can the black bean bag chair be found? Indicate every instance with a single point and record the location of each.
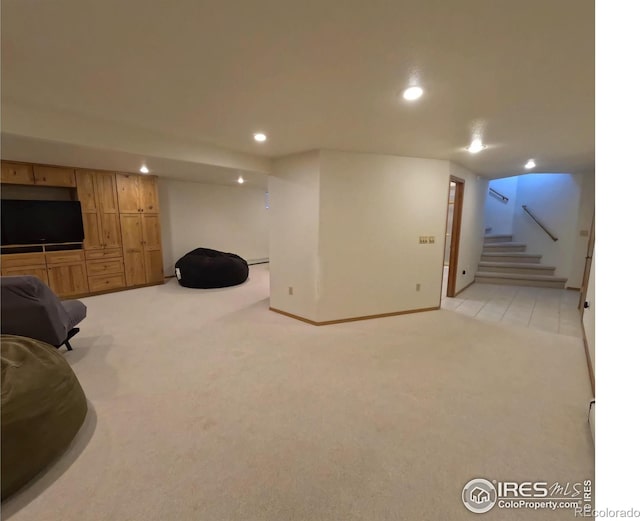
(205, 268)
(43, 407)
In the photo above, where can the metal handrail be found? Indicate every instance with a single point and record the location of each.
(504, 198)
(524, 207)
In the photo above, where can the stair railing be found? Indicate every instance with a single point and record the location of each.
(537, 221)
(497, 194)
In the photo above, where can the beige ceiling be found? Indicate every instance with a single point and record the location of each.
(324, 74)
(81, 156)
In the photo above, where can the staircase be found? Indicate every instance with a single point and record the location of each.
(506, 262)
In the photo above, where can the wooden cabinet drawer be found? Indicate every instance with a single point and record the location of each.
(104, 267)
(106, 282)
(54, 176)
(17, 260)
(108, 253)
(17, 174)
(64, 257)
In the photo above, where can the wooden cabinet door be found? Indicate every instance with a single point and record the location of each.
(40, 272)
(85, 182)
(151, 232)
(153, 266)
(54, 176)
(17, 174)
(152, 243)
(128, 200)
(106, 192)
(68, 280)
(92, 232)
(110, 227)
(131, 226)
(148, 190)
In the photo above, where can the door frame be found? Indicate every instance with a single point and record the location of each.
(454, 248)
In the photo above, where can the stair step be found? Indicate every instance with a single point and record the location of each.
(531, 258)
(542, 281)
(523, 268)
(490, 239)
(504, 246)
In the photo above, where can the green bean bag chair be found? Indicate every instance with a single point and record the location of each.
(43, 407)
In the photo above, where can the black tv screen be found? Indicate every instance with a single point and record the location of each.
(41, 222)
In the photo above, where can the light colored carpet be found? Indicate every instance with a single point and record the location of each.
(207, 406)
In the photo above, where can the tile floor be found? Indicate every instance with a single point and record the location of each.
(552, 310)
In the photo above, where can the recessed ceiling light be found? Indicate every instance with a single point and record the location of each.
(240, 180)
(476, 146)
(260, 137)
(144, 169)
(530, 164)
(412, 93)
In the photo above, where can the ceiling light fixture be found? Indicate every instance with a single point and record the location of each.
(240, 180)
(260, 137)
(412, 93)
(476, 146)
(144, 169)
(530, 164)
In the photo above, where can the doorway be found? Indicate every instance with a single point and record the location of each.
(452, 234)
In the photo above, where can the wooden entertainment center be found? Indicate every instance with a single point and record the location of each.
(121, 219)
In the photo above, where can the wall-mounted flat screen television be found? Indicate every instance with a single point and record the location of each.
(40, 222)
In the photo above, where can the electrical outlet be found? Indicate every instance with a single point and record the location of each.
(290, 290)
(423, 239)
(432, 239)
(417, 287)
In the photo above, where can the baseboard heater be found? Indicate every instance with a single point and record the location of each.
(258, 261)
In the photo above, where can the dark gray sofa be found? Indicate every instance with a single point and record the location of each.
(31, 309)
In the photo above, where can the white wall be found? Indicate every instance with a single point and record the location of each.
(498, 214)
(473, 225)
(373, 208)
(294, 192)
(345, 231)
(555, 200)
(225, 218)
